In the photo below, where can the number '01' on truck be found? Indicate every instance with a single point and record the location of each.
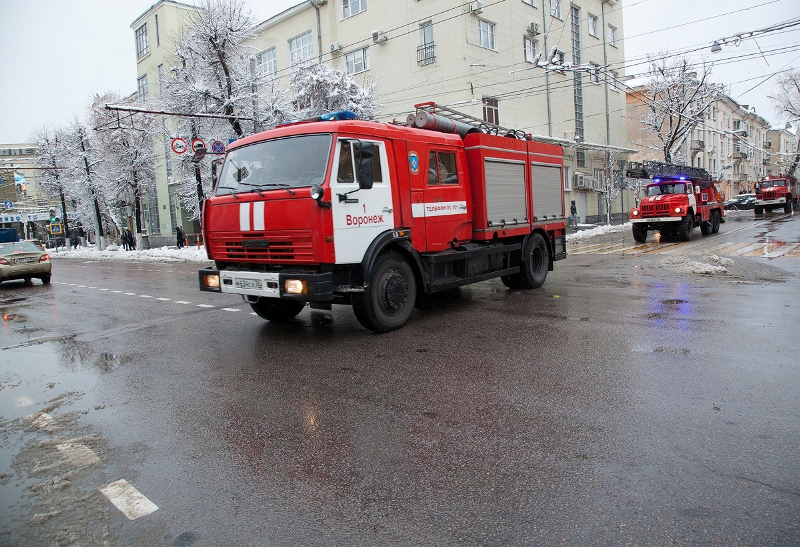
(378, 216)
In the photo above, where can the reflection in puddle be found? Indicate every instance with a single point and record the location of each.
(78, 355)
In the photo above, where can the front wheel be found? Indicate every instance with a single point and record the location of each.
(707, 226)
(640, 232)
(787, 208)
(389, 300)
(758, 210)
(275, 309)
(715, 222)
(686, 227)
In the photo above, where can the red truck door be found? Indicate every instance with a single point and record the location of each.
(445, 208)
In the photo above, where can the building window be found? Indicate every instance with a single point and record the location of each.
(425, 52)
(142, 85)
(301, 49)
(442, 168)
(530, 50)
(486, 34)
(612, 36)
(160, 80)
(491, 111)
(142, 48)
(352, 7)
(592, 25)
(555, 8)
(266, 63)
(357, 61)
(158, 38)
(594, 73)
(614, 80)
(580, 157)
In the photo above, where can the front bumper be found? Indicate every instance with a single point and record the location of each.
(655, 220)
(763, 202)
(318, 287)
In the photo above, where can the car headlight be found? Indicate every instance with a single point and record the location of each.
(317, 192)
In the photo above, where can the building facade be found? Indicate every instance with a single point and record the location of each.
(511, 64)
(782, 147)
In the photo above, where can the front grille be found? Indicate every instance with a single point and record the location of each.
(770, 194)
(295, 246)
(655, 208)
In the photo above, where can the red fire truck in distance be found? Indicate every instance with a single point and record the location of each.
(678, 199)
(776, 192)
(377, 215)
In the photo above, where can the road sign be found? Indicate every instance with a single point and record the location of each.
(197, 144)
(56, 229)
(8, 204)
(217, 147)
(178, 145)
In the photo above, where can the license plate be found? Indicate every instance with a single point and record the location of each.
(247, 283)
(21, 260)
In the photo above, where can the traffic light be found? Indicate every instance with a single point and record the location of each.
(52, 214)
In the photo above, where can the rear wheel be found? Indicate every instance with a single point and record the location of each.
(787, 208)
(706, 227)
(45, 279)
(535, 262)
(389, 300)
(275, 309)
(685, 228)
(716, 219)
(640, 232)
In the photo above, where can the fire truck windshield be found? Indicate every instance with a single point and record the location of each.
(666, 188)
(281, 163)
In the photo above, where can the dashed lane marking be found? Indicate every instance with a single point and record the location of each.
(204, 306)
(163, 299)
(182, 302)
(230, 309)
(128, 499)
(130, 294)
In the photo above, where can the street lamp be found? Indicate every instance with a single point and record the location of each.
(716, 47)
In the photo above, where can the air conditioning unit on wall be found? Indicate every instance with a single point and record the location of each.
(336, 46)
(534, 29)
(578, 180)
(476, 7)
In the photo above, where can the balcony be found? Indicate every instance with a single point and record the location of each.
(741, 177)
(698, 145)
(425, 54)
(740, 155)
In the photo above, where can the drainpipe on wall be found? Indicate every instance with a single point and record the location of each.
(315, 5)
(546, 51)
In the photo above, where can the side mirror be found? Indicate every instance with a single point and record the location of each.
(214, 167)
(364, 152)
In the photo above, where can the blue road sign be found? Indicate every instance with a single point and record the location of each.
(217, 147)
(8, 204)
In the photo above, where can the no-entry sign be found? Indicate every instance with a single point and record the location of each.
(198, 144)
(178, 145)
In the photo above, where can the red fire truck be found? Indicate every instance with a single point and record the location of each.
(377, 216)
(678, 198)
(777, 191)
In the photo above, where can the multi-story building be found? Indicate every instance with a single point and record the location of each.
(729, 143)
(23, 204)
(782, 150)
(509, 64)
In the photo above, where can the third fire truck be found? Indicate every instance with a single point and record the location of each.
(378, 215)
(777, 191)
(677, 199)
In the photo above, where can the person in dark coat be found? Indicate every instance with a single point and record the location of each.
(125, 239)
(573, 214)
(131, 241)
(180, 237)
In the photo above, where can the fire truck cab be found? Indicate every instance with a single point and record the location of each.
(377, 216)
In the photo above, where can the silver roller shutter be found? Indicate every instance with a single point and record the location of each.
(546, 184)
(505, 192)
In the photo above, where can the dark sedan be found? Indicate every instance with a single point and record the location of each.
(742, 201)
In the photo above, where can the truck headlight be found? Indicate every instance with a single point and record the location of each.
(211, 281)
(635, 213)
(295, 286)
(317, 192)
(678, 210)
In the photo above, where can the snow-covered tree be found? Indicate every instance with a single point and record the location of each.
(676, 99)
(787, 95)
(610, 187)
(319, 88)
(50, 159)
(127, 148)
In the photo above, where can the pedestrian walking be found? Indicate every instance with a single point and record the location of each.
(131, 241)
(573, 215)
(180, 237)
(125, 240)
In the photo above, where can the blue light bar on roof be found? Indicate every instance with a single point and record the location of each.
(656, 180)
(340, 115)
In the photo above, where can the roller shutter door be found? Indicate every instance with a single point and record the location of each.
(546, 184)
(505, 192)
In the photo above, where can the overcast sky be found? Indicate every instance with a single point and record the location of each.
(57, 54)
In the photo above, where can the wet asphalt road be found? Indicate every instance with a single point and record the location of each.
(630, 401)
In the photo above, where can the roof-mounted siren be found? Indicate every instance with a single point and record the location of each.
(534, 29)
(336, 47)
(434, 122)
(379, 37)
(476, 7)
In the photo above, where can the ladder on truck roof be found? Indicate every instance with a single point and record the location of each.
(657, 169)
(482, 125)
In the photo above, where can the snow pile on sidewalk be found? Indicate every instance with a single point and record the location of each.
(684, 264)
(115, 252)
(598, 231)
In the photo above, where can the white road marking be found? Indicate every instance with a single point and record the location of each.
(253, 313)
(116, 291)
(205, 306)
(182, 302)
(130, 294)
(128, 499)
(92, 287)
(78, 454)
(145, 296)
(102, 289)
(163, 299)
(230, 309)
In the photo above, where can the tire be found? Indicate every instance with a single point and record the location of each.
(640, 232)
(686, 227)
(389, 299)
(787, 208)
(705, 227)
(758, 210)
(28, 281)
(275, 309)
(45, 279)
(716, 220)
(535, 260)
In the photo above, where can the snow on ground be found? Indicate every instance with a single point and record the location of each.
(115, 252)
(684, 264)
(598, 231)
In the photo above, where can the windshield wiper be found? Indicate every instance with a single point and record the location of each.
(283, 185)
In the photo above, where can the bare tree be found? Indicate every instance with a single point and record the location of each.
(319, 88)
(610, 186)
(787, 97)
(677, 99)
(50, 160)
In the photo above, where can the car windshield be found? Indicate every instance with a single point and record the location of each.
(280, 163)
(18, 247)
(666, 188)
